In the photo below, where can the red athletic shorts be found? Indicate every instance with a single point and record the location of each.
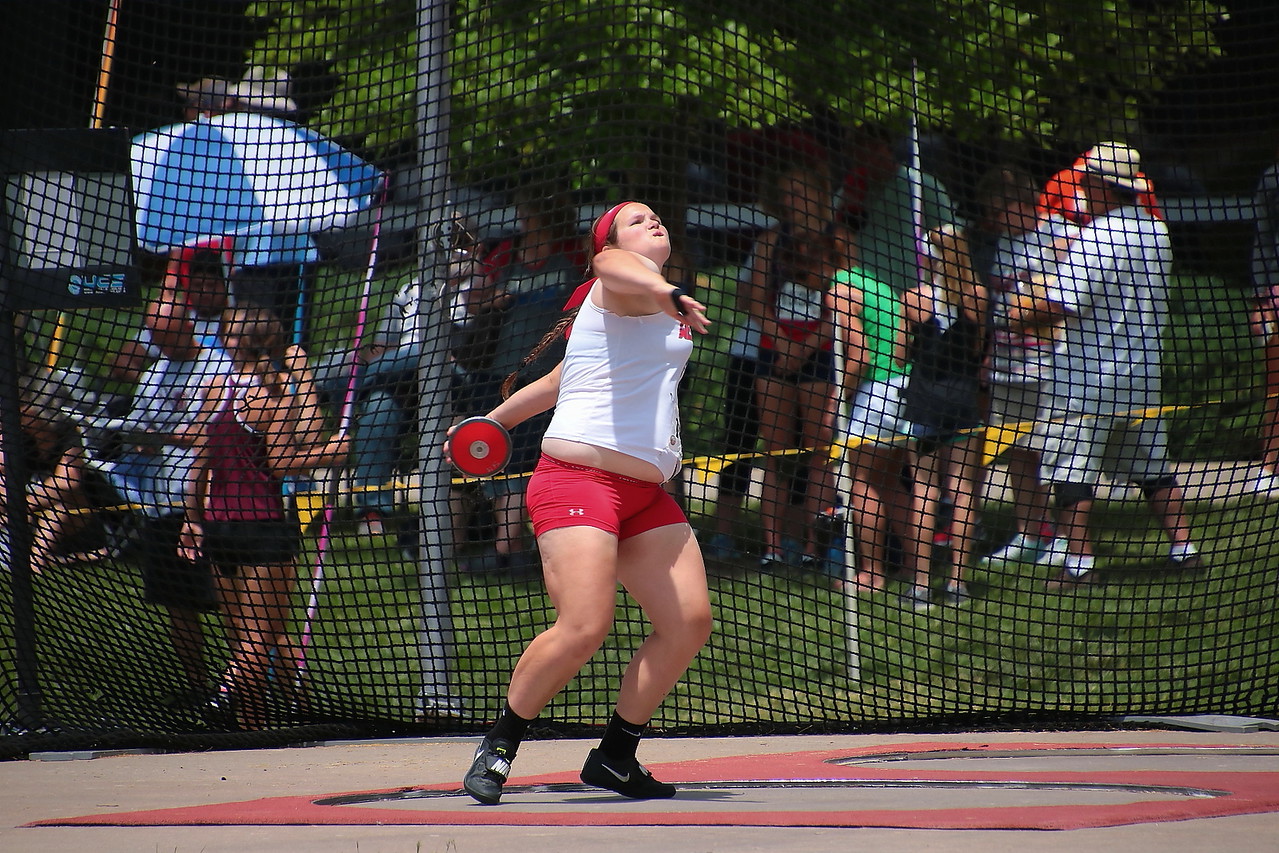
(561, 494)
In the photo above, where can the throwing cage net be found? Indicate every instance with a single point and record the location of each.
(984, 432)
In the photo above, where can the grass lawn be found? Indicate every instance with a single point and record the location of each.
(1143, 642)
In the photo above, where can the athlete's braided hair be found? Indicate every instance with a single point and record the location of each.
(556, 331)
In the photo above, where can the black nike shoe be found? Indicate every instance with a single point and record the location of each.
(625, 776)
(489, 770)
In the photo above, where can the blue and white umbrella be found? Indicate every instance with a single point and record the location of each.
(267, 182)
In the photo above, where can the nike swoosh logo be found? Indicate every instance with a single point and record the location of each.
(617, 775)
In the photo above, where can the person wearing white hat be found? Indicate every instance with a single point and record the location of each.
(1116, 165)
(266, 91)
(1109, 293)
(281, 286)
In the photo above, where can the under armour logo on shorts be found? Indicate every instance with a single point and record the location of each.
(577, 512)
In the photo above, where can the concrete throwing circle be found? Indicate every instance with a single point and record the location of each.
(918, 785)
(813, 795)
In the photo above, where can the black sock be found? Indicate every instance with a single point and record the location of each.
(510, 726)
(621, 738)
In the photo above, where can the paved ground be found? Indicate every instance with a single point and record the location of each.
(41, 790)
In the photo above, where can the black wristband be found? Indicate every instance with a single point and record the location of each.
(675, 295)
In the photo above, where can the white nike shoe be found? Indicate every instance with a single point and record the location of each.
(1054, 555)
(1022, 549)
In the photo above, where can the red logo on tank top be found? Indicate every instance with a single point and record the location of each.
(685, 333)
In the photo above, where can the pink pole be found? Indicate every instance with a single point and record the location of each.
(348, 408)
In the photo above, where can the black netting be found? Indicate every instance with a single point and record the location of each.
(983, 432)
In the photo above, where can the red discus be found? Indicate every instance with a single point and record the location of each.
(480, 447)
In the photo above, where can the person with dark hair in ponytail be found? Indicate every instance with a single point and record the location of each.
(599, 511)
(260, 422)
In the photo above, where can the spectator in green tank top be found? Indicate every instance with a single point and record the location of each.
(868, 320)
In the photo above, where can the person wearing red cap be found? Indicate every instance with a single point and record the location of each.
(598, 508)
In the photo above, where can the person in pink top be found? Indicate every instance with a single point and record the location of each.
(262, 422)
(598, 508)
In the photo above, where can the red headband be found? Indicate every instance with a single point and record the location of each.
(599, 236)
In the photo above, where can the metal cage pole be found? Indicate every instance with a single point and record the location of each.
(435, 637)
(29, 711)
(844, 475)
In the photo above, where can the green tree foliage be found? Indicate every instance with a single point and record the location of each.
(536, 81)
(370, 46)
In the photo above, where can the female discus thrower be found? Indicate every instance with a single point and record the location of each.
(598, 508)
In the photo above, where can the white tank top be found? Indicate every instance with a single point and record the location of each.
(619, 385)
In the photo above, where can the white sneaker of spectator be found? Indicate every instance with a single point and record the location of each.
(1021, 549)
(1265, 482)
(1054, 554)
